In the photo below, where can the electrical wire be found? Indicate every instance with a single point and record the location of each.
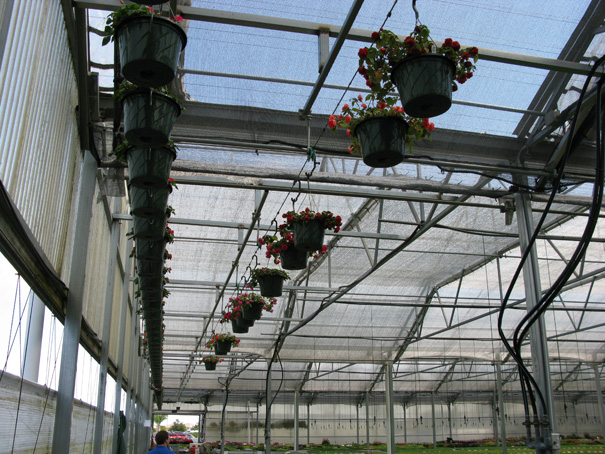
(528, 383)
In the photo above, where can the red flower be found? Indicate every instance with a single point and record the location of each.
(456, 46)
(448, 42)
(474, 51)
(468, 64)
(349, 132)
(360, 97)
(350, 149)
(431, 127)
(363, 70)
(425, 123)
(345, 107)
(363, 52)
(364, 105)
(348, 119)
(375, 36)
(332, 123)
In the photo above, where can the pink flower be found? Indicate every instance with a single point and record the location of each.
(350, 149)
(178, 18)
(349, 132)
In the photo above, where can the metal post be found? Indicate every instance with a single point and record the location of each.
(121, 339)
(248, 419)
(357, 420)
(268, 411)
(597, 377)
(130, 393)
(73, 313)
(575, 418)
(390, 412)
(309, 423)
(33, 343)
(257, 420)
(539, 350)
(405, 425)
(449, 419)
(495, 420)
(296, 397)
(368, 421)
(433, 420)
(111, 269)
(501, 406)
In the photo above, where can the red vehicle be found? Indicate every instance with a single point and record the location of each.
(180, 438)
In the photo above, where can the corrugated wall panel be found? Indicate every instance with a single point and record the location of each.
(33, 427)
(39, 144)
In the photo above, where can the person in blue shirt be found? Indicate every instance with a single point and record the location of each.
(162, 440)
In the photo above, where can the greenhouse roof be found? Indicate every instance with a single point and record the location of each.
(428, 247)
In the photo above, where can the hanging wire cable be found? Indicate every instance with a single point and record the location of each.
(528, 383)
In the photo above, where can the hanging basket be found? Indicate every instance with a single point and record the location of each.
(149, 168)
(210, 366)
(150, 268)
(150, 251)
(293, 259)
(150, 47)
(150, 283)
(382, 141)
(271, 286)
(309, 235)
(149, 228)
(152, 295)
(238, 325)
(252, 311)
(222, 347)
(149, 203)
(149, 117)
(424, 83)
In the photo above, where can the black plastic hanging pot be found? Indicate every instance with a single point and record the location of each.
(149, 117)
(382, 140)
(222, 347)
(271, 286)
(149, 203)
(150, 47)
(238, 326)
(150, 268)
(253, 311)
(424, 83)
(293, 259)
(150, 250)
(149, 228)
(149, 168)
(210, 366)
(309, 235)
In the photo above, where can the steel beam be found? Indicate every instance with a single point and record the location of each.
(33, 336)
(354, 34)
(599, 391)
(109, 290)
(389, 407)
(73, 316)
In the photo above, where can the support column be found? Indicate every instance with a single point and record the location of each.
(309, 423)
(390, 413)
(537, 333)
(109, 289)
(501, 406)
(495, 420)
(257, 420)
(248, 420)
(368, 421)
(575, 418)
(405, 425)
(449, 419)
(296, 397)
(597, 377)
(73, 313)
(433, 420)
(33, 336)
(121, 341)
(357, 420)
(268, 412)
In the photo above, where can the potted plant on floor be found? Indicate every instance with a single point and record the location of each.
(424, 73)
(222, 343)
(149, 44)
(270, 281)
(379, 129)
(309, 226)
(211, 361)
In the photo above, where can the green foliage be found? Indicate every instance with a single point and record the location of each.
(178, 426)
(260, 272)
